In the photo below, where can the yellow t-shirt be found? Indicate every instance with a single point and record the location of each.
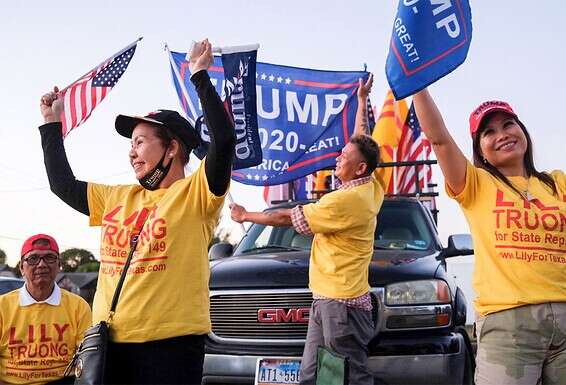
(343, 222)
(520, 246)
(38, 341)
(165, 293)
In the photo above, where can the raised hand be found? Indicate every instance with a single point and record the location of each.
(364, 89)
(200, 57)
(51, 106)
(237, 212)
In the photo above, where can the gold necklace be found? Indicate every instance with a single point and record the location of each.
(526, 193)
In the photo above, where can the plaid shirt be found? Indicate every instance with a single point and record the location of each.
(302, 227)
(362, 302)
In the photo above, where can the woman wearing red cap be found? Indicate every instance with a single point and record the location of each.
(162, 317)
(517, 217)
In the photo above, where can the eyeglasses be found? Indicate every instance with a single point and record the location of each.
(34, 259)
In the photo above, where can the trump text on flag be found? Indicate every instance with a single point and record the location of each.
(429, 39)
(304, 118)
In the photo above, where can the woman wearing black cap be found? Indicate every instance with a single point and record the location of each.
(517, 217)
(158, 329)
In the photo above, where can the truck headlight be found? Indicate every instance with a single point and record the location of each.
(417, 292)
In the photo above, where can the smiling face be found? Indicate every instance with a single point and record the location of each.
(350, 164)
(502, 141)
(147, 149)
(43, 273)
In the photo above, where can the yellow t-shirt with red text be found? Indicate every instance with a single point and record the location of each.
(343, 222)
(38, 341)
(519, 245)
(165, 293)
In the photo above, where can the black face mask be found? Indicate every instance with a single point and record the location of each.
(153, 178)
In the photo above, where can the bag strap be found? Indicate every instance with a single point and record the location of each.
(140, 221)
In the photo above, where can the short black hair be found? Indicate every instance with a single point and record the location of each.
(369, 150)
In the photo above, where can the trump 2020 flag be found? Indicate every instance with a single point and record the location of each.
(239, 96)
(304, 116)
(82, 97)
(429, 40)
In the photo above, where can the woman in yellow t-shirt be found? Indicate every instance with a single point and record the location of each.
(162, 317)
(517, 217)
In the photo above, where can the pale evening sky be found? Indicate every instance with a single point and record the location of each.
(516, 54)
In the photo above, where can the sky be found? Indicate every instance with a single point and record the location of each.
(516, 54)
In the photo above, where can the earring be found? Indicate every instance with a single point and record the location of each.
(485, 160)
(170, 155)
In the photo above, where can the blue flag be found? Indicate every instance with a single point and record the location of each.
(239, 96)
(429, 40)
(305, 117)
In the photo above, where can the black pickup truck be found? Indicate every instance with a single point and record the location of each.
(259, 302)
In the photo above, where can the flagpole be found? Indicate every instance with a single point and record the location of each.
(231, 200)
(182, 86)
(104, 61)
(395, 171)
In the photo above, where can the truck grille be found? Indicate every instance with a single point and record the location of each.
(234, 315)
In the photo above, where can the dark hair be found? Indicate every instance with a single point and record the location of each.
(369, 150)
(166, 136)
(527, 159)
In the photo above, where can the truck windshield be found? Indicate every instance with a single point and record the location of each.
(400, 225)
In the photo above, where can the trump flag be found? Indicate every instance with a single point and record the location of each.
(429, 40)
(304, 116)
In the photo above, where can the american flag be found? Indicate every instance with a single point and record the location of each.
(371, 116)
(413, 145)
(82, 97)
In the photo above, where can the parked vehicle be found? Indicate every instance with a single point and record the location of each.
(259, 303)
(8, 284)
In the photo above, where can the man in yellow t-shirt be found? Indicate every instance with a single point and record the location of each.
(40, 324)
(343, 223)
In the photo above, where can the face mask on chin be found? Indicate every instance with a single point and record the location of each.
(153, 179)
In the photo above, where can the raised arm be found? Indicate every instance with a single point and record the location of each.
(61, 179)
(218, 163)
(451, 160)
(362, 125)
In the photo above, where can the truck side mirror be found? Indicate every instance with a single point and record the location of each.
(220, 250)
(458, 244)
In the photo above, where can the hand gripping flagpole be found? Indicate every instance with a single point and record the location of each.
(104, 61)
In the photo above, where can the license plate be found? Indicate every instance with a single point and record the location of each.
(277, 371)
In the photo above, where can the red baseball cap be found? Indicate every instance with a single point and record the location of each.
(29, 246)
(485, 108)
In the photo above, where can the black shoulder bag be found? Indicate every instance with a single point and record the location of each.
(89, 361)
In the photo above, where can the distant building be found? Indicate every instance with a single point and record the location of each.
(83, 284)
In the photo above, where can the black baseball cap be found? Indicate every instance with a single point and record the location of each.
(180, 126)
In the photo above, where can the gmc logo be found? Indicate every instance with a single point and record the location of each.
(300, 315)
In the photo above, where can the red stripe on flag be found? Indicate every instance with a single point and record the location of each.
(323, 85)
(73, 106)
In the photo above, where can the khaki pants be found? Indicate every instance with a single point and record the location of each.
(522, 346)
(344, 330)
